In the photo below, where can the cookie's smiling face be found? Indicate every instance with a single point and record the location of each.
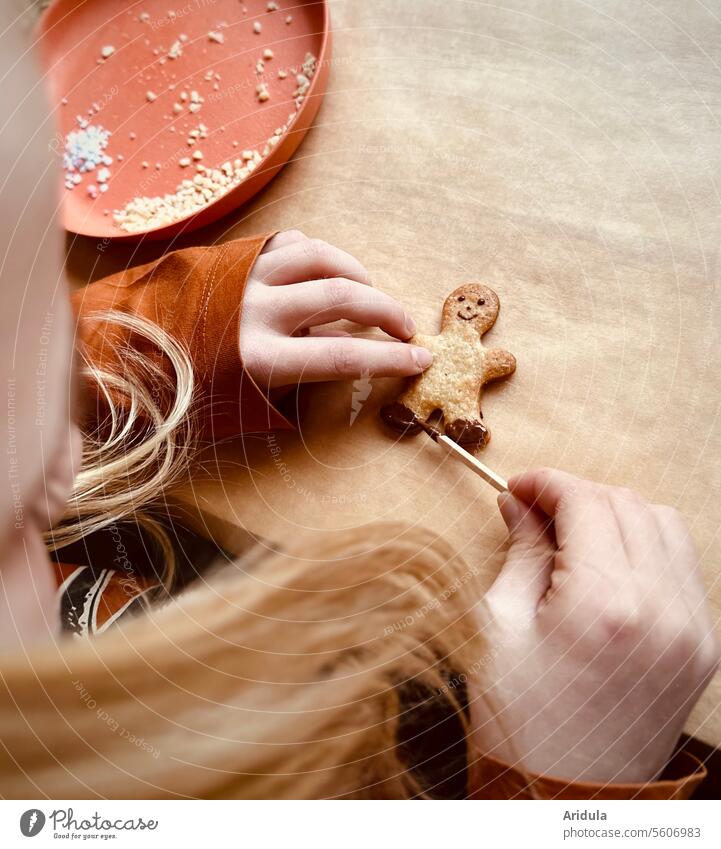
(468, 311)
(472, 304)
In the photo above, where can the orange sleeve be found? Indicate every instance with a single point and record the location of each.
(196, 296)
(492, 779)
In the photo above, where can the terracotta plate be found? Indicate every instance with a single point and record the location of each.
(152, 72)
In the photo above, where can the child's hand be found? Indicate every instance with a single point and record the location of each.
(599, 631)
(299, 283)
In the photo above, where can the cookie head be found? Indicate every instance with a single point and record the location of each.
(471, 304)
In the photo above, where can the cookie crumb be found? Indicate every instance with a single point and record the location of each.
(303, 78)
(257, 27)
(196, 102)
(216, 37)
(192, 195)
(107, 51)
(268, 53)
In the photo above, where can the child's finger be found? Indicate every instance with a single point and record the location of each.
(317, 302)
(280, 240)
(543, 488)
(679, 545)
(322, 333)
(587, 529)
(308, 259)
(314, 359)
(639, 531)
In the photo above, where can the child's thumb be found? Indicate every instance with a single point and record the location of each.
(529, 562)
(523, 522)
(511, 510)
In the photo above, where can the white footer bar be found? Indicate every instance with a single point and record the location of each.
(361, 825)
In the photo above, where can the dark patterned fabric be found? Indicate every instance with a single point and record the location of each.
(91, 601)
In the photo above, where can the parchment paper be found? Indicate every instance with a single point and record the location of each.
(568, 155)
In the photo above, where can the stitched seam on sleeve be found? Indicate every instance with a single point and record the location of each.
(207, 294)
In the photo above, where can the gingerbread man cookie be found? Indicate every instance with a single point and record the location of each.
(461, 366)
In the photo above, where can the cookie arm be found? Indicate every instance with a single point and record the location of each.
(498, 364)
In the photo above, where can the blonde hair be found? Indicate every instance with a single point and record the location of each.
(142, 446)
(247, 689)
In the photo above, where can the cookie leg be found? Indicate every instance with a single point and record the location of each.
(464, 425)
(472, 434)
(405, 414)
(400, 418)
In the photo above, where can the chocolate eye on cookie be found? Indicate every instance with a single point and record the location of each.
(461, 366)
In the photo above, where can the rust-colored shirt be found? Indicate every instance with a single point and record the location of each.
(196, 295)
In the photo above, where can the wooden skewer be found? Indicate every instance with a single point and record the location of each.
(475, 465)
